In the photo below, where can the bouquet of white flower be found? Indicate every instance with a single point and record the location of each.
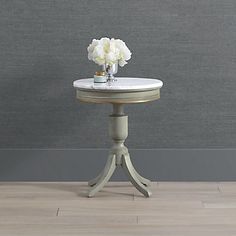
(108, 52)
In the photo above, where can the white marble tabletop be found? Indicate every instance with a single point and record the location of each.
(122, 84)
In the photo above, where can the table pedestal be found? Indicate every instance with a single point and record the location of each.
(119, 156)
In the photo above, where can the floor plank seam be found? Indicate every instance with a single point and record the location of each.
(137, 220)
(57, 214)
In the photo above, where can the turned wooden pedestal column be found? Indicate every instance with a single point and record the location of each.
(119, 155)
(125, 90)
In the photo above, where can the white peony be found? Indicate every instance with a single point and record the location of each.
(108, 51)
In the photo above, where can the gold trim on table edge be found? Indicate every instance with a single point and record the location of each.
(118, 97)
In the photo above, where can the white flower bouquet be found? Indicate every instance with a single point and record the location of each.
(108, 52)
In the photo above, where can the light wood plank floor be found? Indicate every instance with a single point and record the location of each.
(175, 208)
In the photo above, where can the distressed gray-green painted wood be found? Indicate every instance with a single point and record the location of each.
(135, 180)
(104, 177)
(119, 155)
(121, 91)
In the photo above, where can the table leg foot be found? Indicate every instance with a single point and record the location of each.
(143, 180)
(132, 174)
(103, 178)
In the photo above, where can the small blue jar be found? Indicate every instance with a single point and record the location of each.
(100, 77)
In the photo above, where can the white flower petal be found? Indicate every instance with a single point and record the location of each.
(108, 51)
(122, 63)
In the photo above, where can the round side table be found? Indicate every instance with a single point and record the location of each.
(125, 90)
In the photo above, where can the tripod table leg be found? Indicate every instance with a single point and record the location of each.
(143, 180)
(103, 178)
(131, 173)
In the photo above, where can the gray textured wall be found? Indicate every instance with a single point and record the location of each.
(190, 44)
